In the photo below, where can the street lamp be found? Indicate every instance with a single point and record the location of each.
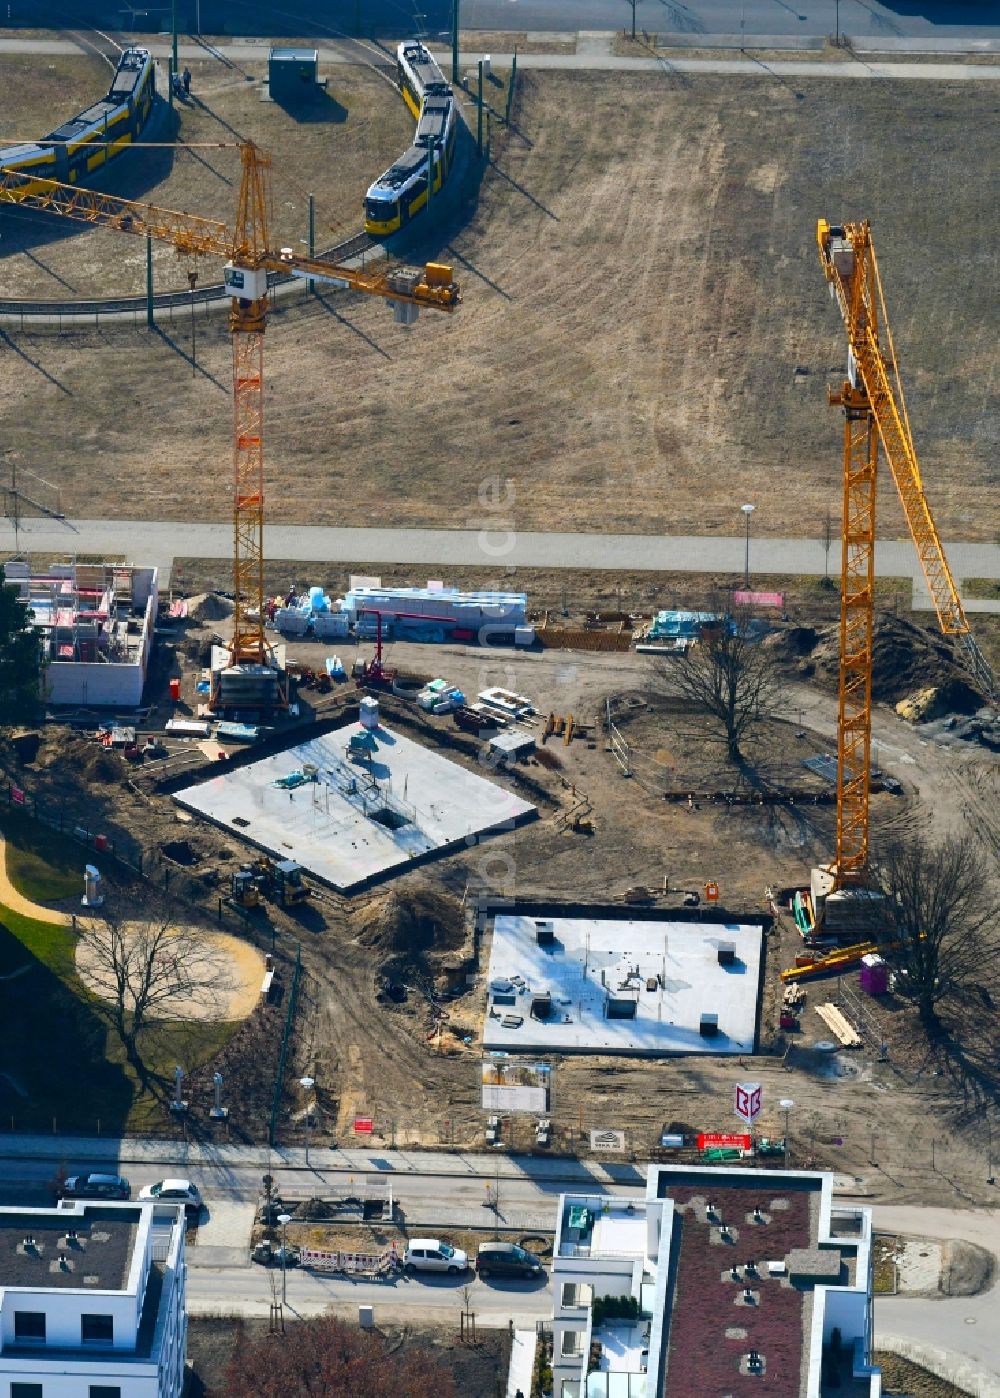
(192, 283)
(307, 1085)
(747, 511)
(786, 1104)
(284, 1220)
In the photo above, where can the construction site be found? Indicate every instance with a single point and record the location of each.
(461, 813)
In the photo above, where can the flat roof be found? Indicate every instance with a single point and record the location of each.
(595, 970)
(712, 1327)
(351, 821)
(101, 1256)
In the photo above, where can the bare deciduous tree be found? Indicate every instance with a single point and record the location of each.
(729, 677)
(940, 919)
(143, 971)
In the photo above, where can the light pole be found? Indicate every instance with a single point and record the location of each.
(743, 24)
(837, 38)
(307, 1085)
(786, 1104)
(192, 283)
(284, 1220)
(747, 512)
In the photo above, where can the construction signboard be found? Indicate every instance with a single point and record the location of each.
(509, 1086)
(722, 1140)
(746, 1101)
(607, 1140)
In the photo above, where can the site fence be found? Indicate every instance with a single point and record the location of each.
(279, 1082)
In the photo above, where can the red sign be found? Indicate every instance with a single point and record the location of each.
(725, 1140)
(363, 1125)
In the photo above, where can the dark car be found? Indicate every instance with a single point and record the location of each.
(507, 1260)
(92, 1186)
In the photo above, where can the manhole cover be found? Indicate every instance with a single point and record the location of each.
(970, 1320)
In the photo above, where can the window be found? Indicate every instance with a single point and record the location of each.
(572, 1343)
(26, 1390)
(30, 1326)
(104, 1390)
(97, 1329)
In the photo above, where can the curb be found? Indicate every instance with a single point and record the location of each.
(943, 1364)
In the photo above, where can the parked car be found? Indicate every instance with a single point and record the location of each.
(174, 1192)
(507, 1260)
(431, 1255)
(93, 1186)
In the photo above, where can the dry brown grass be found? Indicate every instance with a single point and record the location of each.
(332, 148)
(41, 90)
(646, 338)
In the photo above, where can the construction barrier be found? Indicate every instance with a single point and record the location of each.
(556, 638)
(369, 1263)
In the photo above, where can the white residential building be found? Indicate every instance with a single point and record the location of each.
(92, 1301)
(717, 1278)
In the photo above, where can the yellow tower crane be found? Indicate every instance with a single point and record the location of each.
(251, 677)
(875, 418)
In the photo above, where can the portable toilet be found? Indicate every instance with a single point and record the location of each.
(92, 895)
(369, 713)
(874, 975)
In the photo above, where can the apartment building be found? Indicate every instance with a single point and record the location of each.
(92, 1301)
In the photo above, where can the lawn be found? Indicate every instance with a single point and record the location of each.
(43, 866)
(63, 1069)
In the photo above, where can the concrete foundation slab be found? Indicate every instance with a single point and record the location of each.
(352, 817)
(570, 984)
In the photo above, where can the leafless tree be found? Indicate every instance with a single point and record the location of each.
(145, 970)
(940, 919)
(729, 677)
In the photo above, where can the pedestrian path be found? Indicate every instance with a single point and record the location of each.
(522, 1360)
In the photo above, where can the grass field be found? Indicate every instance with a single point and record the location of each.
(41, 864)
(333, 148)
(61, 1062)
(646, 339)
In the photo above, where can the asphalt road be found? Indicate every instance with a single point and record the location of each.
(442, 1191)
(801, 17)
(158, 542)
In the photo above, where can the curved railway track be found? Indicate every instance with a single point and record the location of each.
(21, 309)
(131, 305)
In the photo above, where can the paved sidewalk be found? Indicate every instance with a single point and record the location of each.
(591, 57)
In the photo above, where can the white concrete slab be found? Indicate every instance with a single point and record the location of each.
(590, 961)
(338, 824)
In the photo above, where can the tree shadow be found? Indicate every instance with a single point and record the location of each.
(52, 1049)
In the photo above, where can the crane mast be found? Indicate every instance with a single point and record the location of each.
(875, 418)
(251, 678)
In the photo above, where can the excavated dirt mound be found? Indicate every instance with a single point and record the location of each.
(411, 922)
(905, 658)
(209, 606)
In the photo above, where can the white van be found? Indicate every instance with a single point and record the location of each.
(431, 1255)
